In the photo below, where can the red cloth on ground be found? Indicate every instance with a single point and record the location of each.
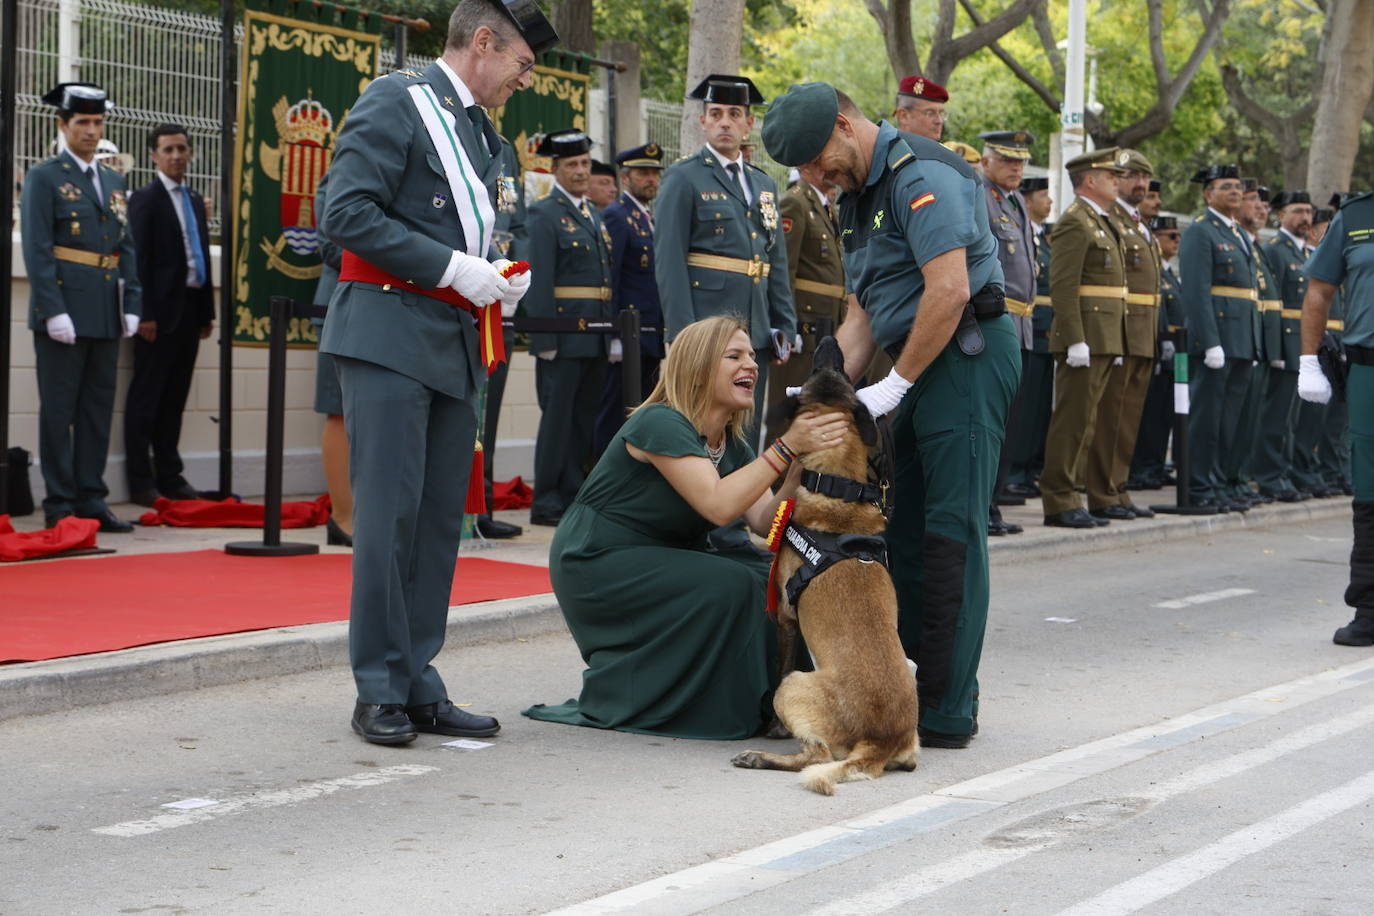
(230, 513)
(511, 494)
(69, 533)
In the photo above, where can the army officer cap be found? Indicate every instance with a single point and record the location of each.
(648, 156)
(1109, 159)
(1010, 144)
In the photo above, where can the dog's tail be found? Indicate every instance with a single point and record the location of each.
(867, 760)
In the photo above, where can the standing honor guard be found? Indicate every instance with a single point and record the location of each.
(1004, 158)
(571, 254)
(1123, 401)
(1345, 260)
(719, 246)
(630, 221)
(1088, 287)
(922, 261)
(815, 267)
(1219, 292)
(414, 328)
(1312, 447)
(77, 249)
(1037, 375)
(1254, 213)
(1157, 418)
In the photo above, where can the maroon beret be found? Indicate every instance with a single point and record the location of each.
(918, 87)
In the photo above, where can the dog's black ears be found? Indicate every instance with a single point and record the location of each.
(828, 355)
(867, 426)
(786, 409)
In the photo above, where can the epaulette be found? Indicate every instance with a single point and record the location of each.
(408, 74)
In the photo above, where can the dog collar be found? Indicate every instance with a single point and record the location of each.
(845, 488)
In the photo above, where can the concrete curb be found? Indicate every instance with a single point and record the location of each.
(45, 687)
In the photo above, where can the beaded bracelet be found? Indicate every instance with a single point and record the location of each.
(764, 456)
(783, 454)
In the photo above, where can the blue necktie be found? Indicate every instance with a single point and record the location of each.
(193, 234)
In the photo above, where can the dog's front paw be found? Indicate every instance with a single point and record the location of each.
(750, 760)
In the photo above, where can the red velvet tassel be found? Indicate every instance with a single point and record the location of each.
(477, 485)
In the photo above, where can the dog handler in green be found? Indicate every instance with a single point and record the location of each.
(1345, 259)
(922, 262)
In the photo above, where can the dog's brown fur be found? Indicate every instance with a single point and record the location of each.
(855, 715)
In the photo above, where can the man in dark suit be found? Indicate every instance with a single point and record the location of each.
(631, 225)
(172, 242)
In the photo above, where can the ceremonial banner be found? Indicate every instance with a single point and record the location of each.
(303, 67)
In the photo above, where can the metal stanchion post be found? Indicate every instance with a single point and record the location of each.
(630, 370)
(271, 544)
(1183, 498)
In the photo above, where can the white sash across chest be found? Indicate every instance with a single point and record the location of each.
(469, 194)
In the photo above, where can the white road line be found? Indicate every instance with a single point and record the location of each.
(980, 861)
(242, 803)
(1172, 877)
(1206, 597)
(733, 877)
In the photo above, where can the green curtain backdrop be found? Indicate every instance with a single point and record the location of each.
(302, 68)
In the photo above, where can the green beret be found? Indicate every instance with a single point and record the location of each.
(798, 124)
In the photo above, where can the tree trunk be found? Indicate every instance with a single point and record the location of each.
(1347, 83)
(716, 30)
(573, 21)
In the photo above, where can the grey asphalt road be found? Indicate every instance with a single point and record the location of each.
(1166, 729)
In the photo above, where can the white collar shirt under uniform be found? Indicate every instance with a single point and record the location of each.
(739, 161)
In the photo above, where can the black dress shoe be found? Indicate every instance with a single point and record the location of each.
(550, 521)
(996, 528)
(1358, 632)
(940, 739)
(1115, 513)
(1011, 527)
(1141, 512)
(1283, 496)
(1029, 491)
(181, 490)
(494, 529)
(1008, 499)
(443, 718)
(1238, 505)
(1210, 503)
(383, 724)
(336, 536)
(110, 524)
(145, 498)
(50, 521)
(1074, 518)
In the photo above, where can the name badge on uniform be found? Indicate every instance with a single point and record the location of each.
(439, 201)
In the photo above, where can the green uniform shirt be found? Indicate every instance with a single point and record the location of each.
(920, 201)
(569, 251)
(1345, 258)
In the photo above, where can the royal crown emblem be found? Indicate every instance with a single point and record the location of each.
(305, 135)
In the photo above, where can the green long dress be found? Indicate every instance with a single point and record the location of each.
(675, 637)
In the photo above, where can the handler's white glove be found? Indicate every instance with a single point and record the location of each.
(478, 281)
(519, 285)
(1214, 357)
(797, 345)
(1313, 385)
(1167, 350)
(1120, 360)
(1078, 354)
(792, 390)
(61, 329)
(130, 324)
(884, 396)
(616, 351)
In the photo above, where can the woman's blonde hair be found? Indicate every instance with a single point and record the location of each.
(686, 381)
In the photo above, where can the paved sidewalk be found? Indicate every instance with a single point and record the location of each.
(39, 688)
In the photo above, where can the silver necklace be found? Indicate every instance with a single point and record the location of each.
(715, 454)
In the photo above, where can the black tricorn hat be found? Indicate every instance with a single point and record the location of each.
(1034, 184)
(601, 168)
(534, 27)
(79, 98)
(1323, 215)
(1338, 199)
(560, 144)
(1284, 198)
(1210, 173)
(1163, 222)
(723, 89)
(1155, 185)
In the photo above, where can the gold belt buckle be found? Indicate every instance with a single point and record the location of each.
(108, 261)
(755, 268)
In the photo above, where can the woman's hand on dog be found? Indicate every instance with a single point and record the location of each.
(813, 431)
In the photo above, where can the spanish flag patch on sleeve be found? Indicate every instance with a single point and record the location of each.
(919, 202)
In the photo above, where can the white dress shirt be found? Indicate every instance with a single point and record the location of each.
(180, 200)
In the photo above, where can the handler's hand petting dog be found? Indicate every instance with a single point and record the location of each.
(855, 715)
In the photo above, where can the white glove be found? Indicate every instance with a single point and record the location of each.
(130, 324)
(1214, 358)
(797, 345)
(792, 390)
(478, 281)
(617, 350)
(1313, 384)
(1078, 354)
(1119, 361)
(61, 329)
(884, 396)
(1167, 350)
(1276, 364)
(548, 354)
(519, 285)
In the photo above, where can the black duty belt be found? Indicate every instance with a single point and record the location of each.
(845, 488)
(820, 550)
(1362, 356)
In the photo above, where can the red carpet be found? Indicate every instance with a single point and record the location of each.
(75, 607)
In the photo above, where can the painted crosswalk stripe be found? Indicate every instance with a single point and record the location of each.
(1206, 597)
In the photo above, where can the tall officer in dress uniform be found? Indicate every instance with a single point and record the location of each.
(1309, 434)
(570, 251)
(719, 246)
(1088, 288)
(77, 247)
(630, 221)
(413, 186)
(1157, 419)
(815, 265)
(1123, 401)
(509, 239)
(1037, 383)
(920, 107)
(1004, 157)
(922, 260)
(1345, 260)
(1219, 292)
(1254, 213)
(1333, 447)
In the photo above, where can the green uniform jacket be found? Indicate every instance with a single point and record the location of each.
(1042, 319)
(814, 256)
(1285, 264)
(1270, 307)
(1171, 316)
(1086, 253)
(566, 249)
(59, 207)
(385, 180)
(510, 212)
(699, 208)
(1142, 279)
(1210, 254)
